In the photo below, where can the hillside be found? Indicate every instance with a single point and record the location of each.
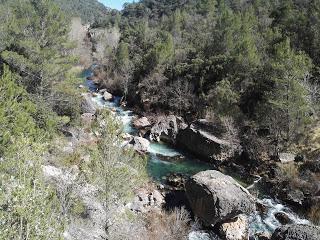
(170, 119)
(90, 11)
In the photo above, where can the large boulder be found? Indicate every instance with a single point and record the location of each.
(87, 119)
(147, 200)
(141, 123)
(286, 157)
(107, 96)
(205, 144)
(217, 198)
(235, 229)
(140, 144)
(88, 105)
(296, 232)
(166, 129)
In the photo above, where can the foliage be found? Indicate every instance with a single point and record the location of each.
(28, 207)
(90, 11)
(230, 57)
(116, 170)
(16, 112)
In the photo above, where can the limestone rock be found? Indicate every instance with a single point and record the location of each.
(87, 104)
(206, 145)
(140, 144)
(216, 198)
(107, 96)
(296, 232)
(141, 123)
(235, 229)
(166, 128)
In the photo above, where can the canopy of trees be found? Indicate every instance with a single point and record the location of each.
(90, 11)
(255, 61)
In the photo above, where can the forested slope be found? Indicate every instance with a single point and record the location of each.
(256, 62)
(90, 11)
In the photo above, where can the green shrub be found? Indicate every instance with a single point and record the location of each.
(29, 209)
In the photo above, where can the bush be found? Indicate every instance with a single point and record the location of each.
(29, 209)
(173, 225)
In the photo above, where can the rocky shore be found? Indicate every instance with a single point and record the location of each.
(217, 200)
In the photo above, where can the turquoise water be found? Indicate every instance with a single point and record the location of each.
(164, 159)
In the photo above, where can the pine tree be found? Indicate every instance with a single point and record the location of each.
(38, 45)
(288, 102)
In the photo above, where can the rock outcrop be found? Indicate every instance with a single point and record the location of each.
(235, 229)
(107, 96)
(296, 232)
(140, 144)
(206, 145)
(146, 201)
(141, 123)
(217, 198)
(93, 225)
(87, 104)
(286, 157)
(165, 129)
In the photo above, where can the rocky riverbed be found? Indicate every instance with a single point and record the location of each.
(156, 138)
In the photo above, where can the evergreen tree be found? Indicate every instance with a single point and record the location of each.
(288, 103)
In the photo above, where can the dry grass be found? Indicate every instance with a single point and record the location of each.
(314, 214)
(290, 171)
(310, 144)
(174, 225)
(155, 225)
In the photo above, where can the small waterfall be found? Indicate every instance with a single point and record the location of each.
(267, 222)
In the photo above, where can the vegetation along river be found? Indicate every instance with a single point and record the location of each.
(164, 159)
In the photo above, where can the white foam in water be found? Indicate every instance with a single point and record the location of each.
(161, 149)
(259, 223)
(267, 222)
(155, 159)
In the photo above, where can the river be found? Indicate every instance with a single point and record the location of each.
(164, 159)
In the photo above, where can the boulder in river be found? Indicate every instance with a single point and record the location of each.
(283, 218)
(140, 144)
(141, 123)
(107, 96)
(166, 128)
(206, 145)
(217, 198)
(235, 229)
(296, 232)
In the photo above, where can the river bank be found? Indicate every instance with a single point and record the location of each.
(164, 160)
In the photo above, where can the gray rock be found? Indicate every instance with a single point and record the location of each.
(235, 229)
(166, 128)
(206, 145)
(286, 157)
(140, 144)
(146, 201)
(217, 198)
(87, 104)
(202, 235)
(296, 232)
(141, 123)
(107, 96)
